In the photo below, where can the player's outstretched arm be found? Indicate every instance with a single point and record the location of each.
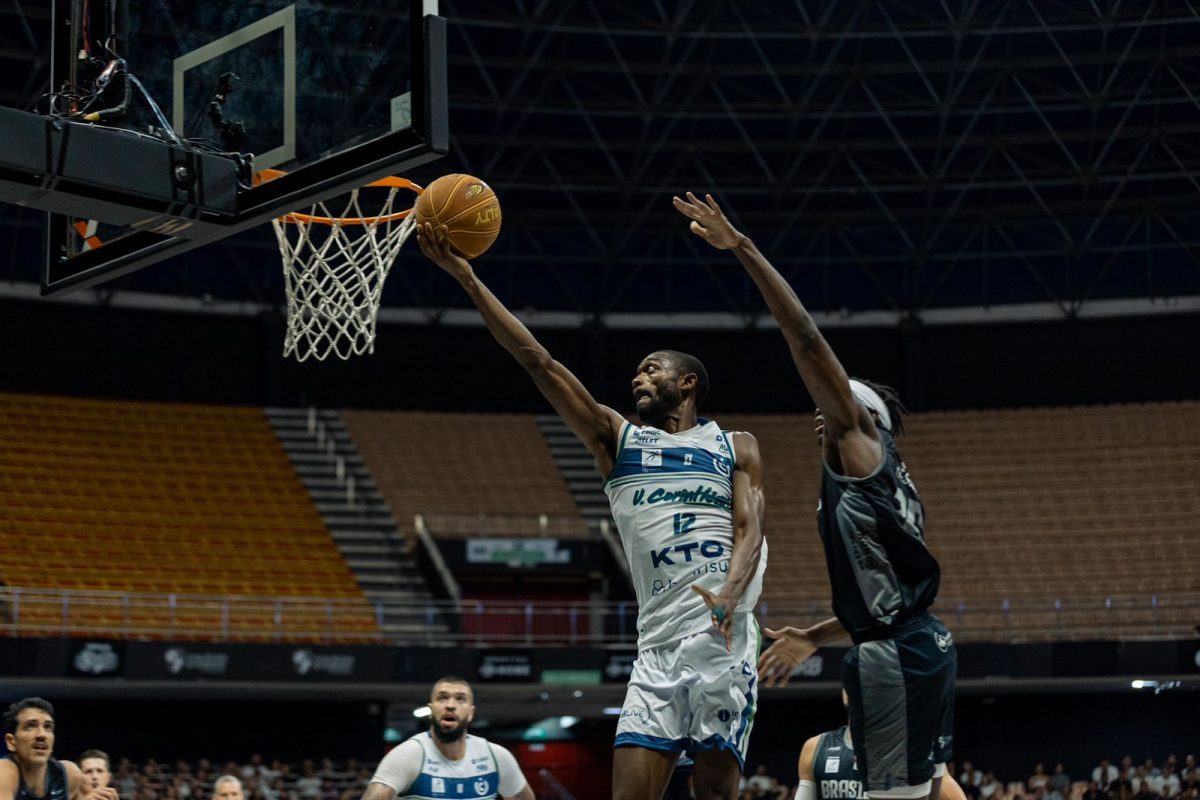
(845, 420)
(596, 425)
(793, 646)
(749, 509)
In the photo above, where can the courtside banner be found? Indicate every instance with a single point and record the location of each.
(258, 662)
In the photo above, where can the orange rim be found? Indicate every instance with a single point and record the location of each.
(295, 217)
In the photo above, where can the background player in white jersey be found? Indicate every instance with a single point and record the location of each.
(446, 762)
(688, 502)
(900, 672)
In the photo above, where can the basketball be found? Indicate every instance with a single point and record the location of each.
(467, 207)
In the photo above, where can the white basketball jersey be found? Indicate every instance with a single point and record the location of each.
(672, 498)
(475, 777)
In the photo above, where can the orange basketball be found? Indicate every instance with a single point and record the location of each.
(467, 207)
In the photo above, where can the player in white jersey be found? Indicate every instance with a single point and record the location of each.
(688, 502)
(446, 762)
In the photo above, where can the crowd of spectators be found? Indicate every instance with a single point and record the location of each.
(278, 781)
(1172, 780)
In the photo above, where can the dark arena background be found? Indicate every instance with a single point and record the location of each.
(209, 553)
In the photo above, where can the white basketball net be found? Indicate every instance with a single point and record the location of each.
(334, 275)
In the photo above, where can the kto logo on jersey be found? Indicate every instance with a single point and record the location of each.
(683, 552)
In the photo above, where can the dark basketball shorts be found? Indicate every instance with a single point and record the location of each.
(901, 706)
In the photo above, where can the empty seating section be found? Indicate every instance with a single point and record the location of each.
(1076, 504)
(1094, 508)
(156, 499)
(495, 468)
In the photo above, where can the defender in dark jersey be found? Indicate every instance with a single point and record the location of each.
(899, 675)
(829, 771)
(29, 771)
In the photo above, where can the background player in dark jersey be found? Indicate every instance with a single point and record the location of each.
(829, 771)
(899, 675)
(30, 771)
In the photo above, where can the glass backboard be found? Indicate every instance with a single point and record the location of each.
(334, 93)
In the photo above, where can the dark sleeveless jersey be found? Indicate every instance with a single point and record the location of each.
(56, 782)
(834, 770)
(873, 529)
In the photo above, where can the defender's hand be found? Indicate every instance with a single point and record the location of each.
(792, 646)
(435, 244)
(722, 609)
(708, 222)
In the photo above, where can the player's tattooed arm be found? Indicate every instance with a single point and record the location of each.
(596, 425)
(819, 367)
(749, 511)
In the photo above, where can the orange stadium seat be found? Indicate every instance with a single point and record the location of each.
(494, 465)
(145, 498)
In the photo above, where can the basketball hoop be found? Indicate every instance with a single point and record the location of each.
(334, 267)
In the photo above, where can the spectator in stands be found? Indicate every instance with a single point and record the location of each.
(30, 770)
(183, 786)
(1151, 769)
(94, 765)
(759, 783)
(1146, 790)
(1128, 770)
(280, 788)
(125, 778)
(1171, 784)
(451, 752)
(970, 779)
(308, 785)
(228, 787)
(666, 706)
(1038, 779)
(989, 787)
(1092, 792)
(1190, 779)
(328, 790)
(1060, 781)
(1105, 774)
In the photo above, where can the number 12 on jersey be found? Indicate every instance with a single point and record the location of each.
(684, 523)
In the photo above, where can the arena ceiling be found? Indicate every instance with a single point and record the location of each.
(895, 159)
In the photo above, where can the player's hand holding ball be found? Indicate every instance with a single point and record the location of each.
(435, 244)
(708, 221)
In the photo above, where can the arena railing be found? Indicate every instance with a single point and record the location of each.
(57, 612)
